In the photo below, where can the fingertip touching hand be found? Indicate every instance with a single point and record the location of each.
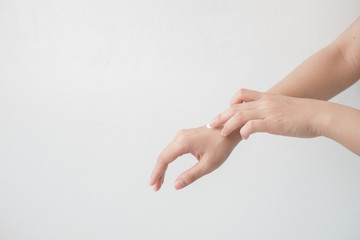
(252, 111)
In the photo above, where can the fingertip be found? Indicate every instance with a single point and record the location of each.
(152, 181)
(157, 187)
(212, 123)
(179, 184)
(243, 135)
(223, 133)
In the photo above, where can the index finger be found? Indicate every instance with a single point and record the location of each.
(245, 95)
(173, 150)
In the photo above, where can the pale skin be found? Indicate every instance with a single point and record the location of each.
(296, 106)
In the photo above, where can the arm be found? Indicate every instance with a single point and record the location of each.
(328, 72)
(206, 145)
(342, 124)
(322, 76)
(290, 116)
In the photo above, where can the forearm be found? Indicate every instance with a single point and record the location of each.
(327, 72)
(342, 124)
(322, 76)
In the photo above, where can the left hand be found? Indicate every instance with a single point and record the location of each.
(210, 149)
(253, 111)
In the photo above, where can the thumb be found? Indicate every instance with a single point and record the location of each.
(191, 175)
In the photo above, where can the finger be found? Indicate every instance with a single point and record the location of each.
(158, 171)
(253, 126)
(223, 117)
(191, 175)
(159, 183)
(238, 120)
(173, 150)
(245, 95)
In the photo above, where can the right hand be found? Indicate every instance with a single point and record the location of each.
(206, 145)
(274, 114)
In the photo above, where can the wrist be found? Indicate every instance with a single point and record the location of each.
(324, 118)
(235, 136)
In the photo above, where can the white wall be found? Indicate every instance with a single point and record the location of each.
(91, 92)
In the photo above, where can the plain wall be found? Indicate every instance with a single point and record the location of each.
(92, 91)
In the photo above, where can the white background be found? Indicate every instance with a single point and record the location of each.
(92, 91)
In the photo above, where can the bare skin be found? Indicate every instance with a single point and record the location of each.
(289, 116)
(295, 107)
(206, 145)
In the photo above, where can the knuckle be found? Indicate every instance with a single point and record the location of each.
(238, 107)
(208, 167)
(226, 127)
(181, 135)
(238, 96)
(181, 132)
(241, 92)
(188, 177)
(161, 159)
(182, 140)
(266, 102)
(233, 109)
(251, 125)
(239, 116)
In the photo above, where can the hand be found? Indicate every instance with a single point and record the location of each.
(206, 145)
(253, 111)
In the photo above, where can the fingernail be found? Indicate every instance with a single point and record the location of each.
(223, 133)
(212, 123)
(179, 184)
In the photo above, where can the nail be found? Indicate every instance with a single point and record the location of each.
(223, 133)
(179, 184)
